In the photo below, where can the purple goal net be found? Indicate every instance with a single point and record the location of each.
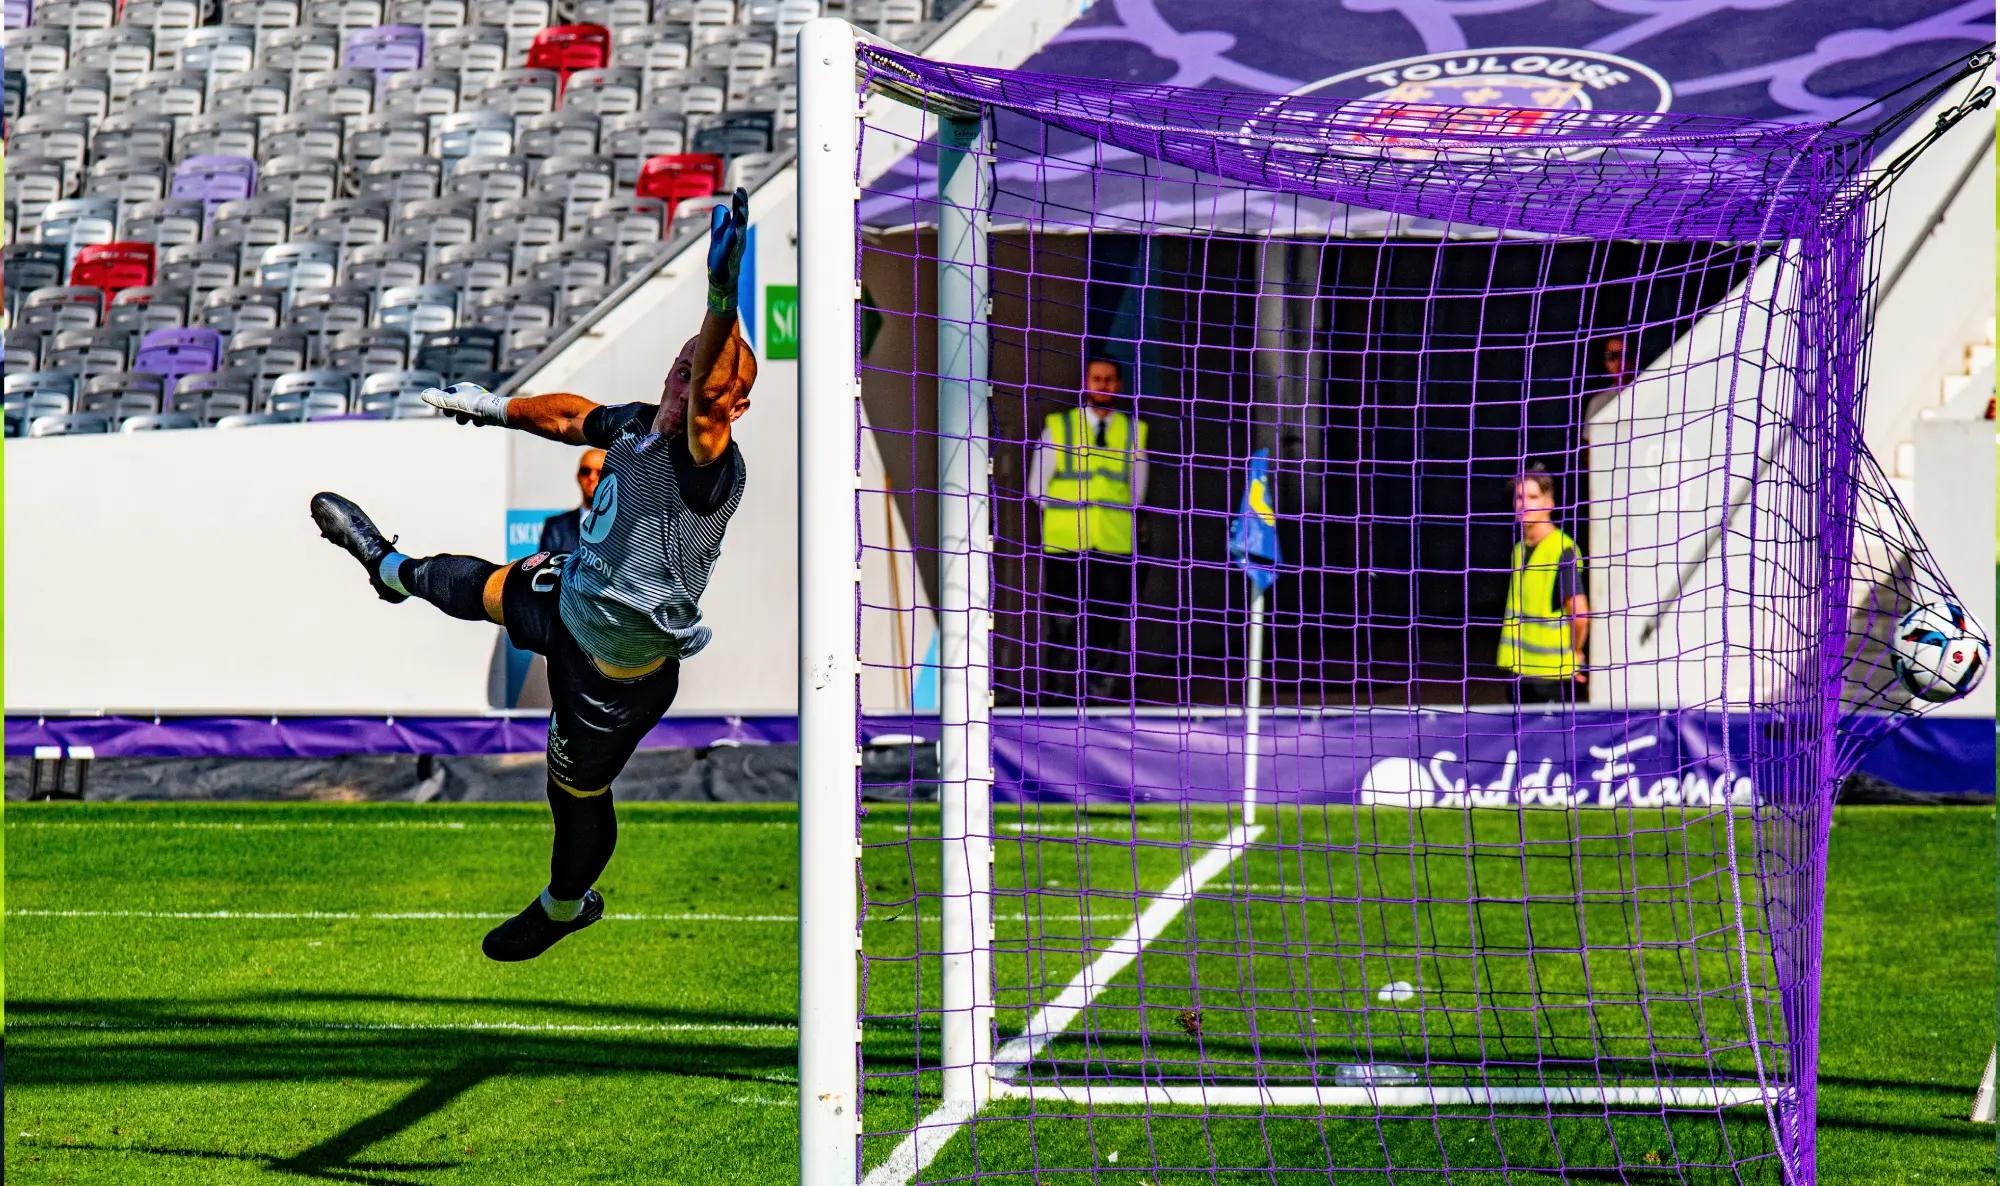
(1391, 591)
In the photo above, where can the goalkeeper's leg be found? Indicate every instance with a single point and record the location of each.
(465, 587)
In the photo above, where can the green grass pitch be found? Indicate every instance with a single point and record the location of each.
(237, 994)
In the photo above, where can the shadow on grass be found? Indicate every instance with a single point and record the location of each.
(144, 1040)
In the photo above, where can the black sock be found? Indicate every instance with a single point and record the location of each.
(586, 832)
(455, 584)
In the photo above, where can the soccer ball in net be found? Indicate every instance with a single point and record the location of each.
(1941, 653)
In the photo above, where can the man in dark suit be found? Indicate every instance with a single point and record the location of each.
(560, 533)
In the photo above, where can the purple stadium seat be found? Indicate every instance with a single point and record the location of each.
(385, 48)
(20, 13)
(172, 353)
(215, 180)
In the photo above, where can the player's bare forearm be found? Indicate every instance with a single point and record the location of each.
(557, 416)
(719, 392)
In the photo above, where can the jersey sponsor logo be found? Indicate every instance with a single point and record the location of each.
(1545, 84)
(533, 561)
(603, 511)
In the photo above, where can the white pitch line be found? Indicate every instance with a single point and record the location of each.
(917, 1150)
(382, 916)
(522, 1027)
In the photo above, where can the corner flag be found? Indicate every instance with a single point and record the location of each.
(1253, 534)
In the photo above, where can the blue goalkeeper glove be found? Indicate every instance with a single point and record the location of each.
(728, 235)
(469, 403)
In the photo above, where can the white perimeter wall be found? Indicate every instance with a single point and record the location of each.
(180, 571)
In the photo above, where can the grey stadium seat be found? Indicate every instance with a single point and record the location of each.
(303, 133)
(306, 395)
(520, 92)
(174, 93)
(266, 353)
(74, 222)
(528, 224)
(489, 179)
(401, 178)
(263, 14)
(348, 223)
(346, 93)
(431, 92)
(303, 179)
(475, 51)
(89, 352)
(472, 132)
(429, 14)
(124, 52)
(517, 307)
(239, 307)
(39, 51)
(386, 134)
(476, 267)
(630, 139)
(419, 308)
(133, 132)
(73, 424)
(577, 182)
(252, 420)
(303, 49)
(625, 220)
(60, 307)
(569, 132)
(612, 90)
(257, 92)
(202, 267)
(254, 225)
(148, 307)
(122, 394)
(225, 133)
(438, 222)
(78, 91)
(41, 393)
(219, 49)
(573, 263)
(214, 394)
(372, 348)
(24, 350)
(298, 263)
(35, 181)
(398, 393)
(382, 266)
(51, 134)
(129, 179)
(523, 345)
(161, 422)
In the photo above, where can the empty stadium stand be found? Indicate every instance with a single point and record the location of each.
(235, 212)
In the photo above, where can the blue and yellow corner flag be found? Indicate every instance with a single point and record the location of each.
(1253, 534)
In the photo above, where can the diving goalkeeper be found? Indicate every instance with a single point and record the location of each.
(615, 617)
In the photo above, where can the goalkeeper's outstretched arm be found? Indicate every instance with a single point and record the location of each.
(721, 367)
(559, 416)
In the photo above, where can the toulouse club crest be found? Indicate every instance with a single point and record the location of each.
(1551, 95)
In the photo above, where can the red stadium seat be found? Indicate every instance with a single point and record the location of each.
(113, 267)
(566, 49)
(675, 176)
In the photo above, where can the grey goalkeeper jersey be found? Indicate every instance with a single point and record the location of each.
(631, 591)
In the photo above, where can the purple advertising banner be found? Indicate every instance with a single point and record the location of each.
(1417, 758)
(1786, 60)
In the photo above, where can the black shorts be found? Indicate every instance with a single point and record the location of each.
(595, 722)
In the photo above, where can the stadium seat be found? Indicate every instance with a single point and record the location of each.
(76, 14)
(73, 424)
(218, 49)
(398, 393)
(749, 170)
(385, 134)
(524, 345)
(520, 92)
(476, 267)
(567, 49)
(460, 353)
(23, 352)
(422, 309)
(167, 223)
(631, 140)
(691, 216)
(215, 179)
(262, 93)
(202, 267)
(132, 132)
(263, 15)
(611, 14)
(735, 133)
(303, 133)
(122, 394)
(75, 222)
(475, 51)
(324, 314)
(60, 307)
(19, 14)
(146, 308)
(527, 224)
(429, 14)
(40, 393)
(489, 179)
(113, 266)
(172, 353)
(88, 352)
(162, 422)
(370, 348)
(254, 225)
(174, 93)
(35, 181)
(83, 92)
(296, 264)
(636, 258)
(438, 223)
(252, 420)
(654, 49)
(25, 267)
(129, 179)
(711, 20)
(612, 90)
(572, 263)
(385, 48)
(16, 94)
(309, 395)
(623, 220)
(676, 177)
(351, 17)
(164, 21)
(379, 267)
(219, 133)
(522, 19)
(301, 180)
(212, 395)
(345, 93)
(240, 307)
(517, 307)
(579, 301)
(303, 49)
(348, 223)
(401, 177)
(577, 182)
(568, 132)
(431, 93)
(265, 353)
(51, 134)
(471, 133)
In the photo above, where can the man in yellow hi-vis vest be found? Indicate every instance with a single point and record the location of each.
(1548, 615)
(1089, 474)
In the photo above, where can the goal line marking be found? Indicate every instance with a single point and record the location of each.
(917, 1150)
(510, 1027)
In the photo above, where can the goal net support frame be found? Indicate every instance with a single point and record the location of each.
(974, 1071)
